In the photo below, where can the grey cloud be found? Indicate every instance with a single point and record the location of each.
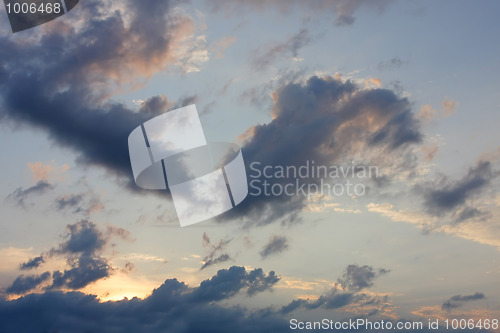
(72, 201)
(276, 244)
(354, 278)
(259, 282)
(23, 283)
(469, 213)
(215, 256)
(173, 307)
(83, 237)
(213, 261)
(332, 300)
(129, 267)
(343, 10)
(82, 204)
(33, 263)
(68, 98)
(360, 277)
(21, 194)
(400, 130)
(264, 56)
(450, 195)
(346, 9)
(83, 249)
(260, 95)
(228, 282)
(393, 63)
(323, 120)
(458, 300)
(83, 271)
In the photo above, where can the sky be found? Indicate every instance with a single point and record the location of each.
(406, 89)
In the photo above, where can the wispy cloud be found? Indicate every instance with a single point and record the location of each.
(20, 195)
(458, 300)
(266, 55)
(217, 252)
(276, 244)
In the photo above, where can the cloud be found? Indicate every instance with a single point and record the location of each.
(23, 283)
(32, 263)
(430, 151)
(373, 82)
(264, 56)
(468, 213)
(276, 244)
(85, 270)
(72, 200)
(220, 46)
(449, 106)
(213, 261)
(359, 277)
(172, 307)
(20, 194)
(354, 279)
(328, 121)
(343, 10)
(45, 172)
(404, 215)
(84, 203)
(448, 195)
(129, 267)
(390, 64)
(214, 256)
(426, 113)
(69, 98)
(227, 283)
(83, 250)
(260, 94)
(458, 300)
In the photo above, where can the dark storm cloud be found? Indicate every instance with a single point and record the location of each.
(324, 120)
(217, 252)
(266, 55)
(276, 244)
(450, 195)
(173, 307)
(82, 249)
(68, 94)
(32, 263)
(343, 10)
(458, 300)
(359, 277)
(21, 194)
